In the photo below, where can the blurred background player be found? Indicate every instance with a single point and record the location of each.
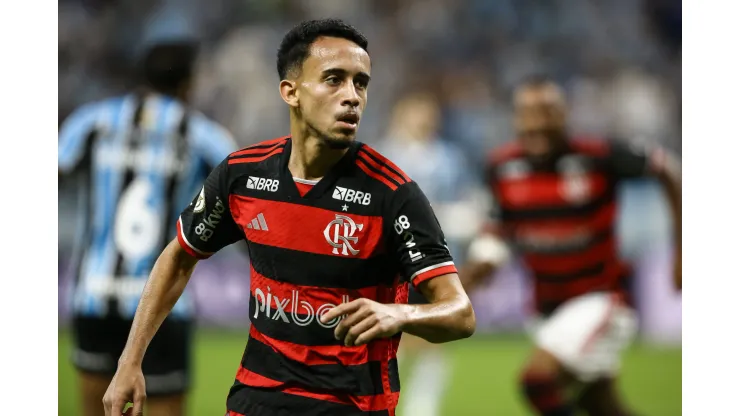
(556, 200)
(139, 158)
(439, 167)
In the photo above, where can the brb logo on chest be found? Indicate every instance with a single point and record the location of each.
(340, 234)
(262, 184)
(350, 195)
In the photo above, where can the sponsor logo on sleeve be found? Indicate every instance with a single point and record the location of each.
(402, 226)
(200, 204)
(207, 227)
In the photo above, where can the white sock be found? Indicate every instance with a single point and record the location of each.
(425, 387)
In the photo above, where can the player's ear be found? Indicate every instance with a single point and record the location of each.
(289, 92)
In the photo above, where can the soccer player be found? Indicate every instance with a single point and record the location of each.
(141, 157)
(335, 231)
(556, 197)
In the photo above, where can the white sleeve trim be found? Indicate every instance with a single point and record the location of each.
(436, 266)
(185, 239)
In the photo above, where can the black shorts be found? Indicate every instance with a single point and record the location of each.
(99, 342)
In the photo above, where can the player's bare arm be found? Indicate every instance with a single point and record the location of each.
(166, 284)
(449, 314)
(448, 317)
(669, 176)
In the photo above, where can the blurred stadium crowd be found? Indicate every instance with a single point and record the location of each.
(624, 81)
(442, 77)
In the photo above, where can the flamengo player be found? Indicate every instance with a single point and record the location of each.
(557, 204)
(335, 234)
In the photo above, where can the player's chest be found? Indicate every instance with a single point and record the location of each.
(340, 222)
(573, 181)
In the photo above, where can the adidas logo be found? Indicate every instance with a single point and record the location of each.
(258, 223)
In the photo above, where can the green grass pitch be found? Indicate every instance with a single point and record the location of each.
(485, 369)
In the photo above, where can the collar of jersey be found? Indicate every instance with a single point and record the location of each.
(327, 182)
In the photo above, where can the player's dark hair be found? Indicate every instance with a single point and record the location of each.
(294, 48)
(168, 65)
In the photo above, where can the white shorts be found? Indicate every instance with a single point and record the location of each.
(587, 334)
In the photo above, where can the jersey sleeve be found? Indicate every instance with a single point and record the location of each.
(73, 136)
(633, 161)
(415, 237)
(206, 225)
(213, 141)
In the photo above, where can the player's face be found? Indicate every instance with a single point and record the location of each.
(540, 120)
(332, 89)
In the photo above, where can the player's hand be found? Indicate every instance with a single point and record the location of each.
(365, 321)
(126, 387)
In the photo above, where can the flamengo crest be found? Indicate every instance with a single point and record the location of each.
(340, 234)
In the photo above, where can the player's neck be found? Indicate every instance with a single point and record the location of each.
(311, 158)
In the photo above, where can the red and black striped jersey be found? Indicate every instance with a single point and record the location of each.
(560, 216)
(365, 230)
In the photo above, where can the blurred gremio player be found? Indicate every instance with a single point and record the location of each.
(140, 156)
(335, 231)
(556, 196)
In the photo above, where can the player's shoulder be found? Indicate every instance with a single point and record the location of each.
(111, 101)
(380, 170)
(94, 114)
(206, 127)
(197, 116)
(507, 152)
(593, 146)
(258, 155)
(92, 108)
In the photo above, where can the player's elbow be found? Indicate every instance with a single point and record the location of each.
(466, 325)
(463, 322)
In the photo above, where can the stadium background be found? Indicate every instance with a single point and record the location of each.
(620, 61)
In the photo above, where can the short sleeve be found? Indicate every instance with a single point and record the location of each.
(627, 161)
(206, 225)
(74, 135)
(415, 237)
